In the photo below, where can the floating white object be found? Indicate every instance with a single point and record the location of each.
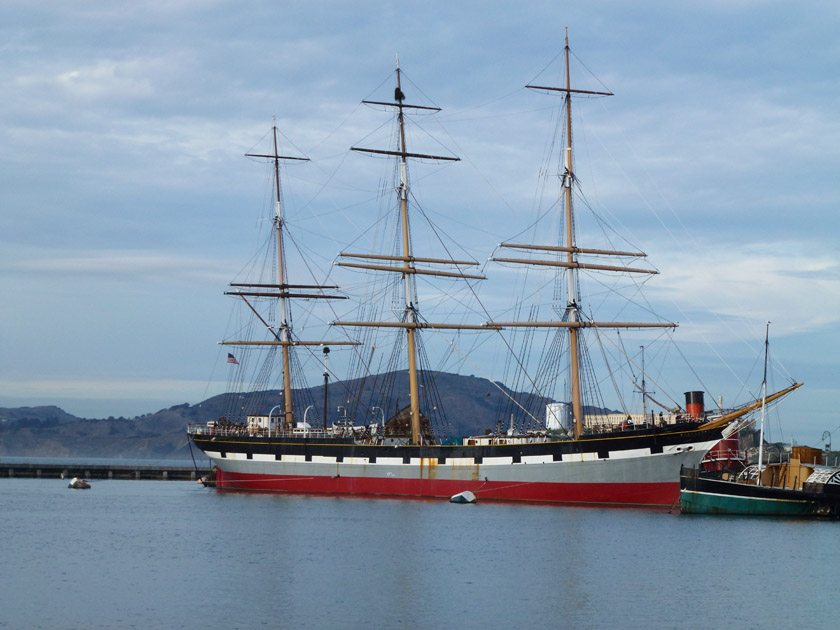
(463, 497)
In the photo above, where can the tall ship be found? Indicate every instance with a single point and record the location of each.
(576, 454)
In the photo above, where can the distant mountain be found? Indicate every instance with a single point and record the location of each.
(472, 405)
(158, 435)
(40, 416)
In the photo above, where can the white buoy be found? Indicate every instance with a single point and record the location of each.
(463, 497)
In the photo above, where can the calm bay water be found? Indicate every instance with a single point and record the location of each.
(153, 554)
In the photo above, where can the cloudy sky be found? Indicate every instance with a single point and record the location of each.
(126, 204)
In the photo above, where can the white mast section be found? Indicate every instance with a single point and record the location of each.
(644, 393)
(763, 406)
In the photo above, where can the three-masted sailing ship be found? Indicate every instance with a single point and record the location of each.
(621, 464)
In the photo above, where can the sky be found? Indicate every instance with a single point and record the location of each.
(127, 205)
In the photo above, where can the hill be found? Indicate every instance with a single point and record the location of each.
(472, 405)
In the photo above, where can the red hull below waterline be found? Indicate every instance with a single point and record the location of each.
(629, 494)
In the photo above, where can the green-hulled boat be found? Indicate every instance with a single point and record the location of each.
(817, 496)
(801, 487)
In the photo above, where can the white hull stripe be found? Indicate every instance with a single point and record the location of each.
(458, 462)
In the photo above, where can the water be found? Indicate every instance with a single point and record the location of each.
(153, 554)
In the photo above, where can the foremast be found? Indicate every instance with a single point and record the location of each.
(573, 320)
(282, 332)
(406, 264)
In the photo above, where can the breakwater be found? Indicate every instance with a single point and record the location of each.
(44, 470)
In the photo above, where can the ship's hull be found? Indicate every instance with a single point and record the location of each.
(634, 469)
(699, 495)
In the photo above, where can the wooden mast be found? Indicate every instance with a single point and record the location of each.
(408, 264)
(288, 413)
(282, 333)
(573, 321)
(410, 321)
(572, 307)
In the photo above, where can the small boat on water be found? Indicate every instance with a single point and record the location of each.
(78, 484)
(208, 481)
(801, 486)
(463, 497)
(794, 488)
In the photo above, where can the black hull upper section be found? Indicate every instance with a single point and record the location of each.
(601, 445)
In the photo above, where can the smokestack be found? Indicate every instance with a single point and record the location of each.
(694, 404)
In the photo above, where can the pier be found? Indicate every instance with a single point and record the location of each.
(101, 471)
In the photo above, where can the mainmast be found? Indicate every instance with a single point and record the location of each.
(573, 320)
(410, 312)
(282, 333)
(410, 320)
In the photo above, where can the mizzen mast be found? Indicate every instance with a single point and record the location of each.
(282, 291)
(573, 320)
(281, 281)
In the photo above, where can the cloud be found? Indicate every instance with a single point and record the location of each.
(108, 78)
(89, 388)
(116, 263)
(792, 284)
(123, 129)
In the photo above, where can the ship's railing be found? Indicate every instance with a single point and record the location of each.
(612, 420)
(238, 430)
(494, 439)
(725, 455)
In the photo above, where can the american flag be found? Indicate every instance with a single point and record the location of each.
(232, 359)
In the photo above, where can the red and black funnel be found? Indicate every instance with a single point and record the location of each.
(694, 405)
